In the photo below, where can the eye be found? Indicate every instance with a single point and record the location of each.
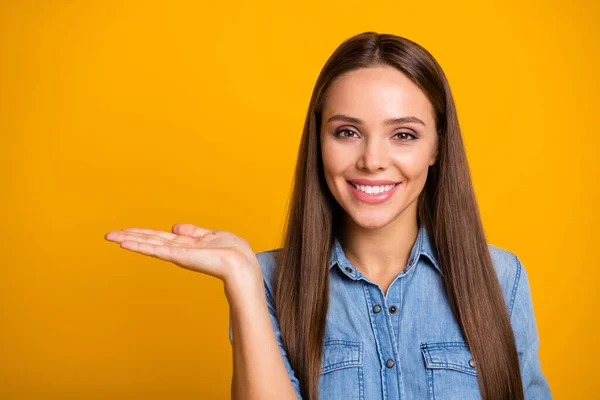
(408, 134)
(338, 133)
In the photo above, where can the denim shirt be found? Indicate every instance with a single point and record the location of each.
(406, 344)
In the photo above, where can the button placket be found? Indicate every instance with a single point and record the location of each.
(384, 334)
(394, 299)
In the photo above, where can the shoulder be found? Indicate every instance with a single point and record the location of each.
(267, 260)
(510, 272)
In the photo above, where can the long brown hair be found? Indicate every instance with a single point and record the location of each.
(446, 205)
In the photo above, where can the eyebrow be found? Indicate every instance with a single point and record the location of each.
(391, 121)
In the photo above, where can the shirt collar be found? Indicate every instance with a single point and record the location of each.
(423, 246)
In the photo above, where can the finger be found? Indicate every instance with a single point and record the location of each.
(153, 250)
(120, 236)
(189, 230)
(162, 234)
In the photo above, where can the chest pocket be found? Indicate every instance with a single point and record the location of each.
(342, 370)
(451, 371)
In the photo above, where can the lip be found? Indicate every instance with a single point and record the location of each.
(369, 182)
(373, 198)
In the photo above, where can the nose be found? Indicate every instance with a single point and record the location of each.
(374, 155)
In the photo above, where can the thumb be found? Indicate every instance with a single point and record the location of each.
(189, 230)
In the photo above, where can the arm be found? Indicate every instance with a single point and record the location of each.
(259, 370)
(535, 385)
(260, 367)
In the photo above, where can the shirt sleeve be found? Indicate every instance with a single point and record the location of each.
(535, 385)
(268, 272)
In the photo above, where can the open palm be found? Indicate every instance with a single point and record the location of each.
(213, 252)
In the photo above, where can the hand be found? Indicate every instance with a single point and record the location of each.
(213, 252)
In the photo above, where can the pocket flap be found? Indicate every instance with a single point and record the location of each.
(449, 355)
(339, 353)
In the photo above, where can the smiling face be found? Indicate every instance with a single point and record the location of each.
(377, 125)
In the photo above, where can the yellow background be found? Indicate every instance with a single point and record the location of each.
(145, 114)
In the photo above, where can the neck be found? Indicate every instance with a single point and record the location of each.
(382, 251)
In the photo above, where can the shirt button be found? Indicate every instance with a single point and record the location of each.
(389, 363)
(472, 363)
(393, 309)
(348, 269)
(376, 308)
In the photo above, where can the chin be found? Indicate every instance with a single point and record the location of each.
(371, 221)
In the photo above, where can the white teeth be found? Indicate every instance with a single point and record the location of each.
(374, 189)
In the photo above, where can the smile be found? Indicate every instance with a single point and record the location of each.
(374, 189)
(373, 194)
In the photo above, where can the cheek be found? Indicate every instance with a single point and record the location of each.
(413, 165)
(334, 162)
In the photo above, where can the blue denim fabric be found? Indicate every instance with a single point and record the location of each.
(407, 344)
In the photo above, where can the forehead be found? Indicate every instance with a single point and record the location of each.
(376, 93)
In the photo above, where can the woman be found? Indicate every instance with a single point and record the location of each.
(385, 286)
